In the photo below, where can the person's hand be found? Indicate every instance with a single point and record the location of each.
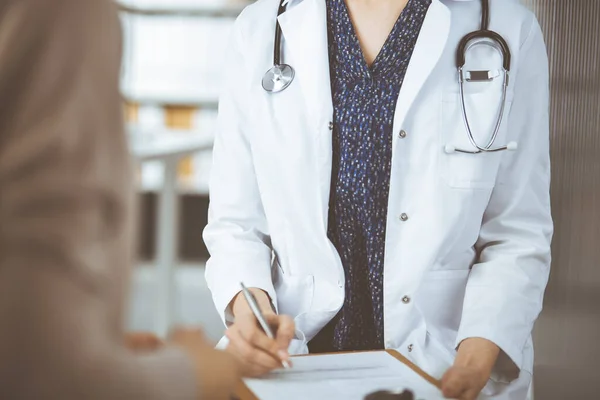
(463, 383)
(472, 369)
(217, 372)
(142, 341)
(249, 343)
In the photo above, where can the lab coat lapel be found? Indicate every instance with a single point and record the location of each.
(428, 50)
(304, 28)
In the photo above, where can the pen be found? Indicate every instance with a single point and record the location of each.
(261, 319)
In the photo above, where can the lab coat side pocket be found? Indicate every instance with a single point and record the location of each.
(294, 293)
(440, 300)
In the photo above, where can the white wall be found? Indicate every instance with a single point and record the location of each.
(175, 60)
(174, 57)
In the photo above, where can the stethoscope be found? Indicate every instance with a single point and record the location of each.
(280, 76)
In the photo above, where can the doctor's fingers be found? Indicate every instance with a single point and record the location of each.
(467, 395)
(247, 368)
(285, 331)
(456, 387)
(257, 359)
(250, 330)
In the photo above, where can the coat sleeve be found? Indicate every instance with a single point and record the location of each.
(65, 212)
(505, 288)
(237, 234)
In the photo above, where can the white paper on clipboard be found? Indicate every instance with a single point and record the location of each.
(348, 376)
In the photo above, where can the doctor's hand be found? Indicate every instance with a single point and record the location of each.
(471, 370)
(463, 383)
(250, 344)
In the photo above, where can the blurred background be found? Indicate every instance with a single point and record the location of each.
(567, 334)
(171, 79)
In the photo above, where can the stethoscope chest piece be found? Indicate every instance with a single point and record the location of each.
(278, 78)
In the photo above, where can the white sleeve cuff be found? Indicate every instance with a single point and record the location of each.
(226, 285)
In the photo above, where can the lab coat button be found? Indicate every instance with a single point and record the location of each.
(410, 348)
(340, 285)
(403, 217)
(406, 299)
(402, 134)
(330, 125)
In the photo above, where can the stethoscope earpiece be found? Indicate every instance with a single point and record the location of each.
(449, 149)
(512, 146)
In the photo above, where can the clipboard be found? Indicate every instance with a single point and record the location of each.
(244, 393)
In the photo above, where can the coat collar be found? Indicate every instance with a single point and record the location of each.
(428, 50)
(304, 28)
(292, 3)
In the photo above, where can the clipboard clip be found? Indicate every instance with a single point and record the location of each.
(389, 395)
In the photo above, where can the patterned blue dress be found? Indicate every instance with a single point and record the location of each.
(364, 100)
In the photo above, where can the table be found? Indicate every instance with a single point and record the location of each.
(243, 393)
(169, 147)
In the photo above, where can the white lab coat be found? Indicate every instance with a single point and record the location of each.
(473, 257)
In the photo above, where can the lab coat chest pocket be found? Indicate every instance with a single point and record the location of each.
(472, 171)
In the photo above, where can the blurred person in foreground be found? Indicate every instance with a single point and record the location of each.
(66, 221)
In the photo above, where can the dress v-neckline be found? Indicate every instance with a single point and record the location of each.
(356, 42)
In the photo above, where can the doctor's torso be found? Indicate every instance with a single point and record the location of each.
(437, 200)
(436, 192)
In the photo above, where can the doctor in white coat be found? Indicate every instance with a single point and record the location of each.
(467, 236)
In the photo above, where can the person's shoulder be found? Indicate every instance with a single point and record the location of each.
(258, 15)
(86, 14)
(259, 9)
(511, 18)
(516, 16)
(58, 10)
(514, 10)
(500, 10)
(67, 20)
(255, 22)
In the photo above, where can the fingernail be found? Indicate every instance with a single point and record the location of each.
(283, 354)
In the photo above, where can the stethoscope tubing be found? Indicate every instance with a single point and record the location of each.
(488, 147)
(280, 76)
